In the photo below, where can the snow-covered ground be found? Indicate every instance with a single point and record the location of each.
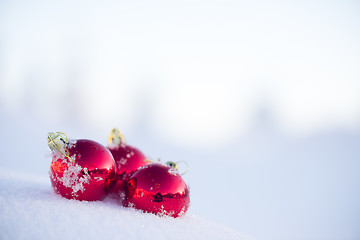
(30, 210)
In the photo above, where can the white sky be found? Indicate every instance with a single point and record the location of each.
(199, 69)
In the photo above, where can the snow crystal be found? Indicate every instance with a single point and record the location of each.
(98, 178)
(162, 163)
(172, 172)
(164, 213)
(143, 167)
(182, 212)
(122, 196)
(131, 205)
(122, 161)
(115, 146)
(73, 177)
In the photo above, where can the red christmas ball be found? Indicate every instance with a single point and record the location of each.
(158, 189)
(80, 169)
(127, 158)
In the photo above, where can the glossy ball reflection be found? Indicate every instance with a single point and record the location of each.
(128, 159)
(88, 173)
(158, 189)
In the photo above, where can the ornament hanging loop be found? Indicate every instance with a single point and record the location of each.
(58, 141)
(115, 137)
(175, 165)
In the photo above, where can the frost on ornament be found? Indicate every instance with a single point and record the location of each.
(121, 162)
(172, 172)
(81, 169)
(182, 212)
(74, 179)
(70, 174)
(162, 212)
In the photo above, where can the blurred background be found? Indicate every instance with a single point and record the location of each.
(262, 99)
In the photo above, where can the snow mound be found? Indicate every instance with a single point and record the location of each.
(30, 210)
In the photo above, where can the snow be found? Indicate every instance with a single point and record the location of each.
(31, 210)
(71, 177)
(266, 184)
(172, 171)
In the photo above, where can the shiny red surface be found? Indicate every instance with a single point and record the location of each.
(88, 155)
(158, 189)
(128, 159)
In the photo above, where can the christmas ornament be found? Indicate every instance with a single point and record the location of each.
(80, 169)
(158, 189)
(127, 158)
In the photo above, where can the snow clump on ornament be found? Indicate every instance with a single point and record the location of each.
(80, 169)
